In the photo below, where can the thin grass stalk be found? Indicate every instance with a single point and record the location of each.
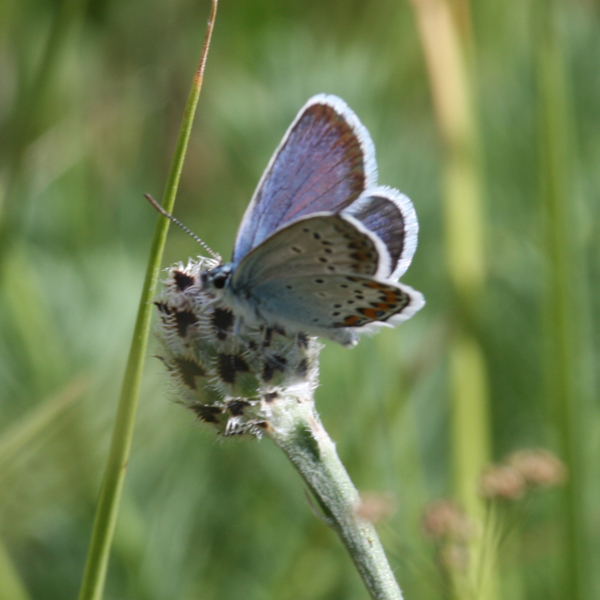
(106, 512)
(463, 207)
(563, 304)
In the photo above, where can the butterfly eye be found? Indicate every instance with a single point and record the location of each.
(217, 278)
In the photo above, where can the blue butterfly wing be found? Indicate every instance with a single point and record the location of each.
(318, 245)
(323, 274)
(339, 308)
(324, 162)
(391, 216)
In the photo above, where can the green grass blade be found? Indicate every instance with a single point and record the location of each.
(570, 411)
(463, 206)
(114, 475)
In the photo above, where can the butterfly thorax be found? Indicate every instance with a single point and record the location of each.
(220, 282)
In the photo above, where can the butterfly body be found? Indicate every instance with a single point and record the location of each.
(321, 246)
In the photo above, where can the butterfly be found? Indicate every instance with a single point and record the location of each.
(321, 245)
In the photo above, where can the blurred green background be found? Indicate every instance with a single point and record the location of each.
(91, 97)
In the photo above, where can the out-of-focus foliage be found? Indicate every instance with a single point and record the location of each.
(91, 95)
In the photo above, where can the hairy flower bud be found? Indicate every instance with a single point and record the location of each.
(228, 372)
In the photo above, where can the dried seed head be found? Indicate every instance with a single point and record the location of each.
(501, 482)
(225, 371)
(375, 507)
(443, 520)
(539, 468)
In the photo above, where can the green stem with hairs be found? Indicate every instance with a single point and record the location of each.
(114, 475)
(296, 428)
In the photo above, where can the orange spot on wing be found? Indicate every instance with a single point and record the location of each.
(352, 320)
(370, 313)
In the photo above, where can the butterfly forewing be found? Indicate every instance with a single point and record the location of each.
(316, 247)
(325, 161)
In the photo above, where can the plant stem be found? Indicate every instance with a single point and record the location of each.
(114, 475)
(452, 93)
(569, 405)
(296, 428)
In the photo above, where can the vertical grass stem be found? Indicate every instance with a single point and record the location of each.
(116, 466)
(563, 304)
(463, 206)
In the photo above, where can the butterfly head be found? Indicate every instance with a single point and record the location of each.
(218, 277)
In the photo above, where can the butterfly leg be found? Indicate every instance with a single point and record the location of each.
(268, 334)
(239, 323)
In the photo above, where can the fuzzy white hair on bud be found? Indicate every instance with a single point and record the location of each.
(229, 373)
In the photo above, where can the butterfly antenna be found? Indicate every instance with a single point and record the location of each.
(163, 212)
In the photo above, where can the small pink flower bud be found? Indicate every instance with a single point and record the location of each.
(501, 482)
(539, 468)
(443, 519)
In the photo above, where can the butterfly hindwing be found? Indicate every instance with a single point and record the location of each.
(325, 274)
(391, 215)
(317, 246)
(324, 162)
(339, 307)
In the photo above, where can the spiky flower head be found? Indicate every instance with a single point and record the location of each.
(229, 373)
